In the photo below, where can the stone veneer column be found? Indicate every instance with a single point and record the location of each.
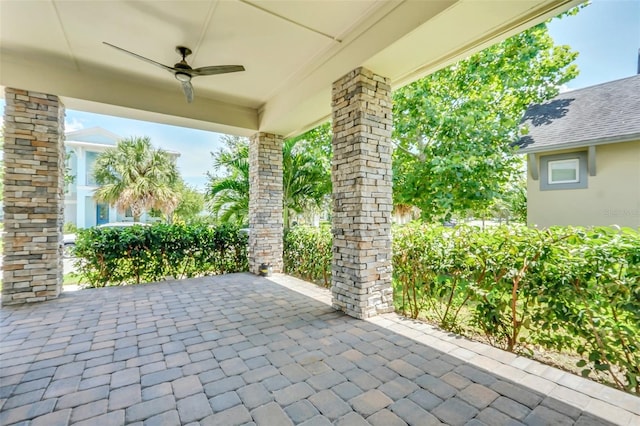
(33, 196)
(362, 199)
(265, 202)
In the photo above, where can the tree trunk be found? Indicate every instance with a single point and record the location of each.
(285, 214)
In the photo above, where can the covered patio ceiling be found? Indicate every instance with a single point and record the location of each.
(292, 52)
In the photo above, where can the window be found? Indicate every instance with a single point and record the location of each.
(90, 157)
(563, 171)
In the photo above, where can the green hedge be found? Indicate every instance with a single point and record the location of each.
(307, 253)
(136, 254)
(566, 289)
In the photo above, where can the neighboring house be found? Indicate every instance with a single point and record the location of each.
(583, 150)
(80, 208)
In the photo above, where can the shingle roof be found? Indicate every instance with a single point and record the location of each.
(605, 113)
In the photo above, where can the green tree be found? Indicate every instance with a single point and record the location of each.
(228, 195)
(306, 164)
(190, 205)
(453, 128)
(1, 167)
(134, 175)
(306, 176)
(512, 202)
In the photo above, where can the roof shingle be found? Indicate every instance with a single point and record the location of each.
(605, 113)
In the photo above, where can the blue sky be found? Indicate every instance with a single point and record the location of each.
(193, 145)
(606, 34)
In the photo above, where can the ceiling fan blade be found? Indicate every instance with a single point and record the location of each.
(216, 69)
(187, 88)
(135, 55)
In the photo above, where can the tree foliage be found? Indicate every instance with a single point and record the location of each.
(307, 171)
(453, 128)
(2, 167)
(190, 205)
(134, 175)
(228, 195)
(306, 176)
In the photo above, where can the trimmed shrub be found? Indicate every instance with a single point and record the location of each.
(307, 253)
(137, 254)
(566, 289)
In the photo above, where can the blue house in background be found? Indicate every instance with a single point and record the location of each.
(80, 208)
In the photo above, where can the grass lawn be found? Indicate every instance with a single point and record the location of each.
(72, 279)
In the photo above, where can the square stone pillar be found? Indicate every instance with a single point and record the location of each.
(362, 198)
(265, 202)
(33, 197)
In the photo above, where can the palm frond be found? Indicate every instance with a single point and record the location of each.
(133, 175)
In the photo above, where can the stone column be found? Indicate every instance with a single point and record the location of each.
(265, 202)
(362, 198)
(33, 196)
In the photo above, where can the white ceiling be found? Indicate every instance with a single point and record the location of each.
(292, 51)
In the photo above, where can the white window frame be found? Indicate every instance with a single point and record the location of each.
(575, 162)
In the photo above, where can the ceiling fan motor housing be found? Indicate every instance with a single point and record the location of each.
(183, 51)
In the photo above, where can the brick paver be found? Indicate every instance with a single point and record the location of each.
(412, 413)
(271, 414)
(239, 349)
(301, 411)
(224, 401)
(194, 407)
(455, 412)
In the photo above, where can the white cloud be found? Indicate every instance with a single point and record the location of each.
(73, 125)
(564, 88)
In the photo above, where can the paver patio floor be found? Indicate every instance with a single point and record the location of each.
(241, 349)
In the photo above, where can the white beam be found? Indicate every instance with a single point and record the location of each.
(116, 94)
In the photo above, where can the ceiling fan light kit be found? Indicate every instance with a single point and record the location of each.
(183, 77)
(182, 71)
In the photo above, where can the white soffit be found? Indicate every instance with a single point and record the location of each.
(292, 51)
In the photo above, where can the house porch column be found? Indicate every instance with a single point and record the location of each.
(265, 202)
(34, 158)
(362, 198)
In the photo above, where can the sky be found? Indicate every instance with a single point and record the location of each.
(606, 34)
(193, 145)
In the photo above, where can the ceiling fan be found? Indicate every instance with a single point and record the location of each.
(182, 71)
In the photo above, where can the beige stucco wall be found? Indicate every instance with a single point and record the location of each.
(612, 196)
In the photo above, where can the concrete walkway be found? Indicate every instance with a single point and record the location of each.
(240, 349)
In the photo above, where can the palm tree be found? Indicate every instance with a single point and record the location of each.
(134, 175)
(229, 195)
(306, 178)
